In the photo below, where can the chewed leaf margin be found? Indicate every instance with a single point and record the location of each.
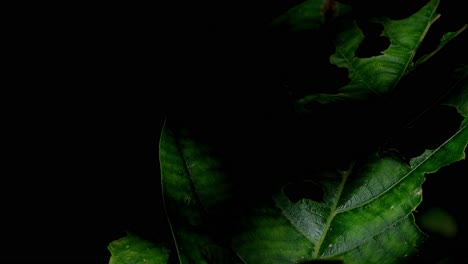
(376, 75)
(366, 216)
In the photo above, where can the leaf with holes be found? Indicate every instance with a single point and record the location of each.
(194, 188)
(133, 249)
(377, 75)
(365, 216)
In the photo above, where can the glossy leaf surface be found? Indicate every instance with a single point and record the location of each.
(366, 215)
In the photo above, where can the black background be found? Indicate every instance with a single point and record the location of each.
(89, 87)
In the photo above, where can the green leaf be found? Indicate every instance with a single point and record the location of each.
(134, 250)
(366, 215)
(377, 75)
(193, 188)
(309, 15)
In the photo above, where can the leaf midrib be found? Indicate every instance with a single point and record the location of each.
(412, 170)
(332, 211)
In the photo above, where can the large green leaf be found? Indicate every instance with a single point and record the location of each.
(377, 75)
(132, 249)
(366, 215)
(193, 187)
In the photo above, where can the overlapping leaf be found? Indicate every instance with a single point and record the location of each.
(365, 216)
(366, 213)
(378, 75)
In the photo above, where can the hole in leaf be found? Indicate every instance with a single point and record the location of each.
(373, 43)
(299, 54)
(306, 189)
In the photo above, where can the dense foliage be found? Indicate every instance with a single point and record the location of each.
(322, 156)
